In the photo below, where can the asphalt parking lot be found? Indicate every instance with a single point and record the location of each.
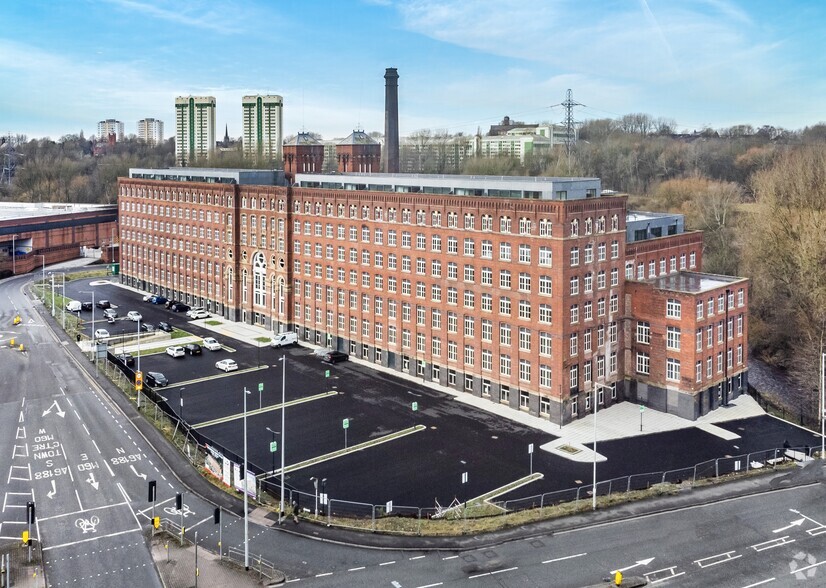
(418, 469)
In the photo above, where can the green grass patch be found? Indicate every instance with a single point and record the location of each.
(178, 334)
(263, 339)
(213, 323)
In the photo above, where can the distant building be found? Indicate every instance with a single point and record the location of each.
(304, 154)
(194, 128)
(263, 127)
(358, 153)
(151, 130)
(108, 127)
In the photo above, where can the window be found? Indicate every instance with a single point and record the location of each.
(673, 338)
(699, 339)
(452, 245)
(644, 333)
(545, 313)
(589, 253)
(574, 286)
(524, 282)
(574, 256)
(524, 309)
(673, 308)
(469, 247)
(545, 257)
(698, 371)
(504, 251)
(545, 285)
(574, 344)
(524, 254)
(672, 369)
(524, 376)
(544, 343)
(699, 309)
(505, 279)
(588, 283)
(487, 250)
(574, 314)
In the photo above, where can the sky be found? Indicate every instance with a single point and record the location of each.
(463, 64)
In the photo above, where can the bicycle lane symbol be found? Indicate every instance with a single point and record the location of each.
(171, 510)
(88, 525)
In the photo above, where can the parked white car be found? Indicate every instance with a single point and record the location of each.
(134, 315)
(284, 339)
(228, 365)
(175, 351)
(212, 344)
(194, 309)
(101, 334)
(199, 314)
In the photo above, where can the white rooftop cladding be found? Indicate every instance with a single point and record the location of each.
(539, 188)
(693, 282)
(257, 177)
(640, 226)
(12, 210)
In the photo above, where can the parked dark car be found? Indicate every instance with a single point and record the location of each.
(179, 307)
(193, 348)
(164, 326)
(335, 357)
(157, 300)
(103, 304)
(147, 328)
(155, 379)
(169, 303)
(86, 306)
(126, 359)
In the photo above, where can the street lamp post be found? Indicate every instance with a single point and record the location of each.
(822, 405)
(314, 480)
(51, 277)
(139, 360)
(283, 431)
(246, 498)
(597, 387)
(42, 270)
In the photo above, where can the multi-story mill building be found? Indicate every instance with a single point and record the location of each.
(544, 294)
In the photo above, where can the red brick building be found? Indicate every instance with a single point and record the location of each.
(304, 155)
(513, 289)
(42, 234)
(358, 153)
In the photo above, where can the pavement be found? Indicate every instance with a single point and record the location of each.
(618, 421)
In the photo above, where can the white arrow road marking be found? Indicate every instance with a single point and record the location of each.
(793, 524)
(131, 467)
(53, 491)
(95, 484)
(642, 562)
(820, 525)
(56, 406)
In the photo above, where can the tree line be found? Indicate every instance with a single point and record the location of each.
(759, 194)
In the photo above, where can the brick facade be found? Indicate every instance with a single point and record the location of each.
(522, 301)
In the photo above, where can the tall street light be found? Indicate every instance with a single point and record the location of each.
(42, 269)
(92, 327)
(283, 432)
(246, 498)
(822, 405)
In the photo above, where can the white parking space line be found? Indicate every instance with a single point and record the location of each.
(564, 558)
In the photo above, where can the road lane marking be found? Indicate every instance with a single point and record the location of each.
(655, 573)
(492, 573)
(564, 558)
(719, 558)
(449, 557)
(324, 574)
(772, 543)
(417, 557)
(760, 583)
(803, 569)
(356, 569)
(431, 585)
(387, 563)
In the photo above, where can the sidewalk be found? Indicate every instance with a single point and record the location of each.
(177, 568)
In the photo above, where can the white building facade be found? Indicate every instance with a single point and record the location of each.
(151, 130)
(263, 126)
(194, 128)
(108, 127)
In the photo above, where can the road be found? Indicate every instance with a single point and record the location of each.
(773, 540)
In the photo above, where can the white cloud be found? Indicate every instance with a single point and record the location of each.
(219, 18)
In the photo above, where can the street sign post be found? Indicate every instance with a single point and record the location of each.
(642, 410)
(345, 424)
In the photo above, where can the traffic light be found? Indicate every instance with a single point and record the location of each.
(30, 512)
(179, 501)
(152, 490)
(138, 381)
(216, 516)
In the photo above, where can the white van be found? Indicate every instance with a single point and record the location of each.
(74, 306)
(283, 339)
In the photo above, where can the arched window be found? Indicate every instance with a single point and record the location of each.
(259, 271)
